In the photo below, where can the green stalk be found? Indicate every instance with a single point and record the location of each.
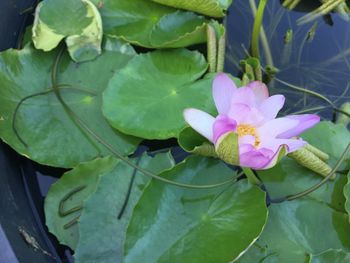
(251, 176)
(256, 28)
(319, 184)
(211, 48)
(329, 176)
(221, 53)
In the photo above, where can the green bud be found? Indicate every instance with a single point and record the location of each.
(342, 118)
(309, 160)
(322, 155)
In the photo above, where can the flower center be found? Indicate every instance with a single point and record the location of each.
(246, 129)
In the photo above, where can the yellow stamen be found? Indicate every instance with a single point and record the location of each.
(246, 129)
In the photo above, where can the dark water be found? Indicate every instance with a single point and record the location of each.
(319, 63)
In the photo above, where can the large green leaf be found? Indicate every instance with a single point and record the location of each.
(214, 8)
(288, 177)
(172, 224)
(101, 230)
(298, 229)
(76, 186)
(179, 29)
(157, 86)
(331, 256)
(149, 24)
(51, 135)
(84, 178)
(81, 25)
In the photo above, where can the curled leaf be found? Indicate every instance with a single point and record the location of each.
(81, 27)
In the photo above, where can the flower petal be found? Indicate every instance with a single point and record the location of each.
(223, 89)
(274, 159)
(222, 125)
(247, 139)
(275, 127)
(200, 121)
(271, 106)
(239, 112)
(306, 121)
(260, 91)
(242, 113)
(255, 159)
(292, 144)
(244, 95)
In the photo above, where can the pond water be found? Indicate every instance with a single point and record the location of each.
(317, 58)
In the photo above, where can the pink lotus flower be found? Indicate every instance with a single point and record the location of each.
(251, 113)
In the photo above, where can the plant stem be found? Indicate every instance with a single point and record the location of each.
(318, 185)
(251, 176)
(256, 28)
(211, 48)
(221, 53)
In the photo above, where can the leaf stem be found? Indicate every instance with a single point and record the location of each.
(128, 193)
(252, 178)
(256, 28)
(319, 184)
(15, 113)
(211, 48)
(221, 53)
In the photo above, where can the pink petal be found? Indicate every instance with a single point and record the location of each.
(222, 125)
(273, 160)
(271, 106)
(243, 148)
(223, 89)
(244, 95)
(255, 159)
(260, 91)
(306, 121)
(275, 127)
(247, 139)
(292, 144)
(254, 117)
(239, 112)
(242, 113)
(200, 121)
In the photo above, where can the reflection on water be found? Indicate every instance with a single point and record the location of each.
(316, 58)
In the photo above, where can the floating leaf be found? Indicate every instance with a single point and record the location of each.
(75, 186)
(51, 135)
(214, 8)
(101, 229)
(331, 256)
(179, 29)
(173, 224)
(288, 177)
(151, 25)
(81, 27)
(298, 229)
(158, 86)
(347, 195)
